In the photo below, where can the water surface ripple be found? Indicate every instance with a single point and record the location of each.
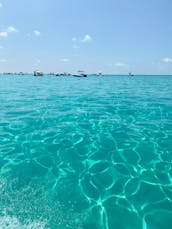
(86, 153)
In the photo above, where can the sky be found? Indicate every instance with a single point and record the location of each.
(111, 36)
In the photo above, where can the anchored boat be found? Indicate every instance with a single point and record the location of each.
(80, 74)
(38, 73)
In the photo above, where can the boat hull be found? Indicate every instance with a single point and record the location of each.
(83, 75)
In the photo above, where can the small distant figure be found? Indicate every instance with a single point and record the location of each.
(130, 74)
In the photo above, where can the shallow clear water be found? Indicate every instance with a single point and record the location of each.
(86, 153)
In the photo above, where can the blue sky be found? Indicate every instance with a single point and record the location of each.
(112, 36)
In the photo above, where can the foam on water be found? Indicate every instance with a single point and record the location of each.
(86, 153)
(11, 222)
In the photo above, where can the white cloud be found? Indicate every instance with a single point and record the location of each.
(37, 33)
(7, 31)
(11, 29)
(1, 47)
(87, 38)
(74, 39)
(120, 64)
(3, 60)
(167, 60)
(77, 41)
(3, 34)
(64, 60)
(1, 5)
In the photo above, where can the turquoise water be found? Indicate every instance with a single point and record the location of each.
(86, 153)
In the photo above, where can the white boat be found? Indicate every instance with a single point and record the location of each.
(38, 73)
(80, 74)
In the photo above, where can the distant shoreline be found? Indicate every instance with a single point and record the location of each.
(92, 74)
